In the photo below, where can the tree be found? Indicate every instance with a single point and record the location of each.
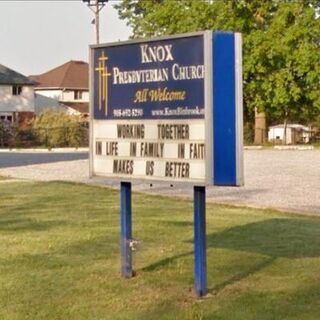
(283, 68)
(281, 55)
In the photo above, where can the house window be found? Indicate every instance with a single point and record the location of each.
(77, 95)
(6, 118)
(16, 90)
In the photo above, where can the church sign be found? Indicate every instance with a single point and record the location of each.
(168, 109)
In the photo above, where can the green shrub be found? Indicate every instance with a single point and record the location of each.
(24, 138)
(58, 129)
(6, 134)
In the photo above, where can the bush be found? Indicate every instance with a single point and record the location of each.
(58, 129)
(6, 134)
(24, 138)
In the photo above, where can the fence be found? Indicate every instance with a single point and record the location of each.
(76, 135)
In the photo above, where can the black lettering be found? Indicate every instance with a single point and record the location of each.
(197, 151)
(173, 131)
(181, 151)
(177, 169)
(149, 168)
(151, 149)
(123, 166)
(130, 131)
(168, 171)
(133, 149)
(98, 147)
(111, 148)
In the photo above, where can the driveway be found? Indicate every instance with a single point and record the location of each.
(281, 179)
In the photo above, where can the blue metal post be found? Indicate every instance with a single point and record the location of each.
(200, 263)
(126, 230)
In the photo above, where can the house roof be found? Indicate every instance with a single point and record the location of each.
(70, 75)
(9, 76)
(293, 126)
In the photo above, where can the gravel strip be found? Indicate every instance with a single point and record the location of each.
(281, 179)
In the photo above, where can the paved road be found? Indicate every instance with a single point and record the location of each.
(286, 179)
(17, 159)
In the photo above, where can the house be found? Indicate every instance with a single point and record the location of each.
(296, 133)
(16, 97)
(65, 87)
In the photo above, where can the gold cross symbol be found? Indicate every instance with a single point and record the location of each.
(105, 76)
(103, 82)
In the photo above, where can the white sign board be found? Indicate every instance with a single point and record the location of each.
(152, 110)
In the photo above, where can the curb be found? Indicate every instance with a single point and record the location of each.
(293, 147)
(252, 147)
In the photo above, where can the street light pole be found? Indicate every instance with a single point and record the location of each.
(96, 6)
(97, 22)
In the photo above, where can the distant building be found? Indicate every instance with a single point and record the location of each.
(65, 87)
(16, 97)
(296, 133)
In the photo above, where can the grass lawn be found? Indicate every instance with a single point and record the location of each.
(59, 258)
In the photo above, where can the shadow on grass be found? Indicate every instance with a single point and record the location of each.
(22, 225)
(164, 262)
(242, 275)
(289, 238)
(177, 223)
(274, 238)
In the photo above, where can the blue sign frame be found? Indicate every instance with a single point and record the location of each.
(182, 77)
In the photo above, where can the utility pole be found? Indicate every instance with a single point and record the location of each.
(96, 6)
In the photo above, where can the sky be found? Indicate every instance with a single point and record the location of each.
(39, 35)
